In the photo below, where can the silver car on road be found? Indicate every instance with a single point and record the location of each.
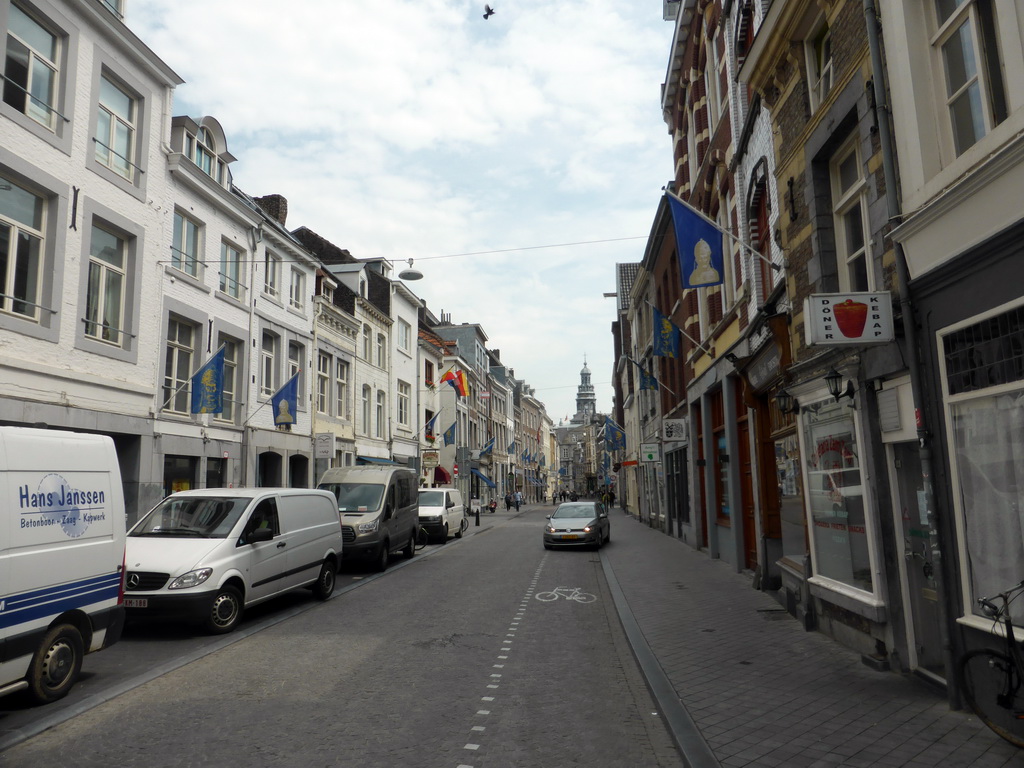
(577, 524)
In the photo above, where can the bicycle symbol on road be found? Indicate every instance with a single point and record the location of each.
(569, 593)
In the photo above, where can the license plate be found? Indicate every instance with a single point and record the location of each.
(571, 536)
(136, 602)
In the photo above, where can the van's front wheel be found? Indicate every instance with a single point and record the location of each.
(225, 611)
(56, 664)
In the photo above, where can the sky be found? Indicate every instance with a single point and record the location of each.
(516, 159)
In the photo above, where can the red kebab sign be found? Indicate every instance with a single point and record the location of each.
(848, 318)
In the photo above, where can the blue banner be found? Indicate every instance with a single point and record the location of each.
(614, 436)
(285, 403)
(449, 434)
(699, 245)
(208, 385)
(666, 336)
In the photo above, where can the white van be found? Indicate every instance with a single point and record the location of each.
(208, 554)
(442, 513)
(378, 507)
(61, 556)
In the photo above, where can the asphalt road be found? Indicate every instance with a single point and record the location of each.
(463, 658)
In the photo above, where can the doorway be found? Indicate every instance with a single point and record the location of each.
(920, 593)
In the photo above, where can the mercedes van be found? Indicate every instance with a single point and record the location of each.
(378, 508)
(207, 555)
(442, 513)
(61, 556)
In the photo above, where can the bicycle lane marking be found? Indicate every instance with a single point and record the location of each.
(492, 700)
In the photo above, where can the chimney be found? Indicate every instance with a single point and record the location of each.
(275, 206)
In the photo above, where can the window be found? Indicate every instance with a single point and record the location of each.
(31, 68)
(382, 351)
(712, 85)
(231, 271)
(836, 497)
(366, 343)
(366, 409)
(202, 150)
(21, 249)
(232, 350)
(404, 336)
(115, 128)
(341, 389)
(819, 65)
(404, 402)
(379, 430)
(975, 95)
(428, 373)
(983, 372)
(323, 382)
(181, 342)
(185, 245)
(271, 275)
(297, 289)
(849, 211)
(295, 359)
(104, 302)
(268, 364)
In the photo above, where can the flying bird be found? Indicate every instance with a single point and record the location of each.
(488, 11)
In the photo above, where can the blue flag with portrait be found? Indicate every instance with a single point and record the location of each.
(208, 385)
(699, 245)
(666, 336)
(285, 403)
(449, 434)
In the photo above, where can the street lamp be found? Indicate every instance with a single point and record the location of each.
(834, 381)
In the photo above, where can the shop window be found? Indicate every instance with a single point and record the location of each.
(984, 381)
(835, 496)
(179, 473)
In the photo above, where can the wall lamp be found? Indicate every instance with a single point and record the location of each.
(786, 402)
(834, 381)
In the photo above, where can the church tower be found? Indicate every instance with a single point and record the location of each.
(586, 400)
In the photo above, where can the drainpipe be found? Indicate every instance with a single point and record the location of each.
(913, 361)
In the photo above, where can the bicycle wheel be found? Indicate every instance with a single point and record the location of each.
(547, 596)
(422, 537)
(992, 686)
(584, 597)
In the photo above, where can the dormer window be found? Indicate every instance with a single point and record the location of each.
(202, 150)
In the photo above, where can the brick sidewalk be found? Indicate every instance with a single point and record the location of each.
(762, 691)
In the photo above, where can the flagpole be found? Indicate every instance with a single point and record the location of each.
(660, 384)
(731, 236)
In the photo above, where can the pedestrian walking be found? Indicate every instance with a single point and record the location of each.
(508, 501)
(519, 499)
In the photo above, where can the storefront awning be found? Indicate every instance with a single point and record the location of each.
(482, 476)
(442, 475)
(374, 460)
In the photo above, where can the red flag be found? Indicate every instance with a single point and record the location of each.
(458, 380)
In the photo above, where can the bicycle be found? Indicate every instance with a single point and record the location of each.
(569, 593)
(422, 538)
(992, 681)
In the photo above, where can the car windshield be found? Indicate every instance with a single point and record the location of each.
(356, 497)
(575, 510)
(431, 498)
(208, 517)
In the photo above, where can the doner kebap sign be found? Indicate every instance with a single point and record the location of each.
(848, 318)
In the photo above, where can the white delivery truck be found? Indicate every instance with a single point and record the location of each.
(62, 534)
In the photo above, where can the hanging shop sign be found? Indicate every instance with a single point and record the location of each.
(848, 318)
(649, 452)
(674, 430)
(323, 445)
(430, 459)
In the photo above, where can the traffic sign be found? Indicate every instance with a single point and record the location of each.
(455, 471)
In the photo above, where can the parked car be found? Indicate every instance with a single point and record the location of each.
(378, 507)
(442, 513)
(61, 557)
(578, 524)
(207, 555)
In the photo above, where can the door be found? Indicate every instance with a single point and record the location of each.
(268, 559)
(919, 585)
(746, 495)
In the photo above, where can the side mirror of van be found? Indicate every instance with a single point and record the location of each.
(260, 534)
(449, 504)
(387, 513)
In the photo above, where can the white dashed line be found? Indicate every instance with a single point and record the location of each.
(472, 746)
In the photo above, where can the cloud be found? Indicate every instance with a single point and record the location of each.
(415, 129)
